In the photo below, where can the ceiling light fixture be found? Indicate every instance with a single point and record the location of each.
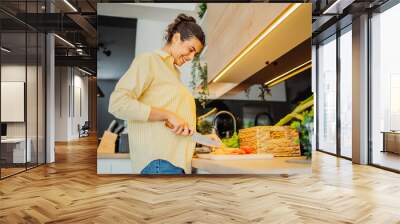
(292, 72)
(65, 41)
(326, 11)
(99, 92)
(337, 7)
(5, 50)
(84, 71)
(70, 5)
(79, 51)
(260, 37)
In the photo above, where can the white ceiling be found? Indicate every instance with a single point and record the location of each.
(176, 6)
(148, 11)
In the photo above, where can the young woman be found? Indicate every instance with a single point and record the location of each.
(151, 94)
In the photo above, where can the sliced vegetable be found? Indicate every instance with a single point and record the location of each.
(232, 142)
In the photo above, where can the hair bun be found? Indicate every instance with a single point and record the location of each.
(186, 26)
(184, 18)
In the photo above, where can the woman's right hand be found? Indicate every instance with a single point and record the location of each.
(178, 125)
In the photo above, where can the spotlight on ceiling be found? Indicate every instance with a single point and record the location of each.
(64, 40)
(84, 71)
(70, 5)
(5, 50)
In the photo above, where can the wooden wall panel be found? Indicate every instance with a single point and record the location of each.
(92, 85)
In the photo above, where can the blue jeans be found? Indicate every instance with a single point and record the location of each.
(160, 166)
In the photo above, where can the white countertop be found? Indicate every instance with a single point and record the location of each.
(113, 156)
(276, 165)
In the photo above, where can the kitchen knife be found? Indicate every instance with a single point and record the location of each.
(199, 138)
(119, 129)
(112, 126)
(204, 140)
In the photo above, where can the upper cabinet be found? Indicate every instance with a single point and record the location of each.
(232, 28)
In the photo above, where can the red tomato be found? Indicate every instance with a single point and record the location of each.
(247, 149)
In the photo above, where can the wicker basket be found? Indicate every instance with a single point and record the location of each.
(277, 140)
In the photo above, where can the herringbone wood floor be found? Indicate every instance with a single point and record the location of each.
(70, 191)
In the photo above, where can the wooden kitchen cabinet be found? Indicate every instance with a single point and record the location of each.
(391, 142)
(231, 27)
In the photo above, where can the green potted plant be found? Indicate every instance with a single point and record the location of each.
(199, 81)
(202, 9)
(302, 118)
(305, 129)
(264, 90)
(204, 127)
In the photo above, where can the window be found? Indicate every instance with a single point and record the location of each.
(327, 95)
(385, 88)
(22, 66)
(346, 92)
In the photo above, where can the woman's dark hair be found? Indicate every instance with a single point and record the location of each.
(187, 27)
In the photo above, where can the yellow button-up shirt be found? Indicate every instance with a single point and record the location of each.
(153, 80)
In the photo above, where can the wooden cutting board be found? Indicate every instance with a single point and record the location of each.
(235, 157)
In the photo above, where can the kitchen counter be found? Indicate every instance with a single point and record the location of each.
(120, 163)
(276, 165)
(114, 163)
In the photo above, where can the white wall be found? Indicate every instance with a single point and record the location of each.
(278, 94)
(33, 126)
(149, 37)
(61, 103)
(12, 73)
(152, 22)
(79, 117)
(67, 114)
